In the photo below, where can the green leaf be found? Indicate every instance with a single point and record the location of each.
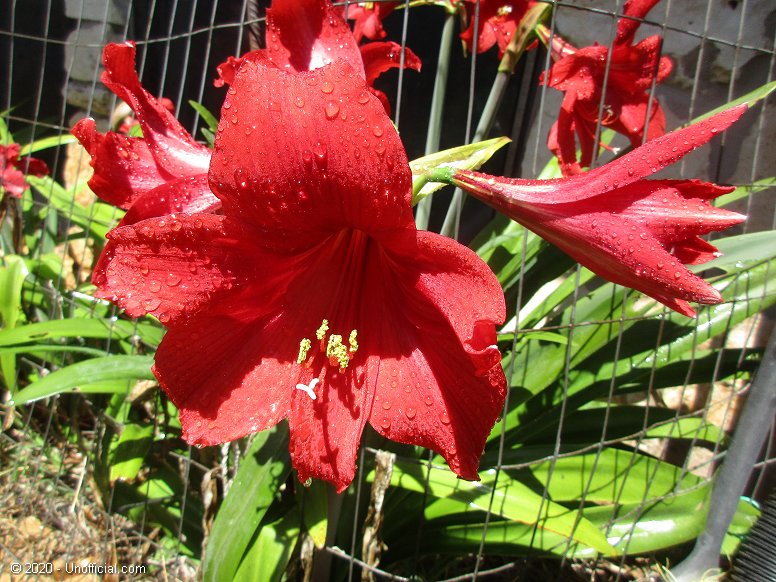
(265, 467)
(633, 529)
(45, 143)
(159, 500)
(745, 190)
(5, 135)
(511, 499)
(129, 450)
(744, 519)
(204, 113)
(586, 427)
(315, 507)
(89, 373)
(268, 556)
(12, 275)
(468, 157)
(97, 218)
(81, 328)
(609, 476)
(742, 251)
(745, 293)
(750, 99)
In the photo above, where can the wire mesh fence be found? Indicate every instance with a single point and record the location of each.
(618, 411)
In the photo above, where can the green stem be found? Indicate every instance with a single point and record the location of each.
(512, 55)
(452, 219)
(434, 134)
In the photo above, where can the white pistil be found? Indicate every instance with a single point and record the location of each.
(308, 389)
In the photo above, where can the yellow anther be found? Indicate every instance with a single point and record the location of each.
(304, 347)
(353, 341)
(337, 352)
(321, 333)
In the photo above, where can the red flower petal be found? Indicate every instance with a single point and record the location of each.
(325, 433)
(223, 376)
(173, 265)
(190, 194)
(445, 350)
(308, 34)
(343, 164)
(647, 159)
(172, 147)
(629, 72)
(630, 231)
(498, 20)
(380, 57)
(634, 68)
(13, 168)
(368, 20)
(124, 168)
(627, 27)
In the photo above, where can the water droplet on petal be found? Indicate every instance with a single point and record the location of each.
(444, 419)
(386, 405)
(299, 102)
(307, 157)
(241, 177)
(429, 401)
(151, 304)
(410, 412)
(154, 286)
(331, 110)
(319, 150)
(173, 279)
(327, 87)
(385, 422)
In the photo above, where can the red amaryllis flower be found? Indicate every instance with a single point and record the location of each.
(14, 169)
(165, 171)
(314, 297)
(128, 122)
(498, 20)
(306, 34)
(629, 230)
(368, 18)
(627, 109)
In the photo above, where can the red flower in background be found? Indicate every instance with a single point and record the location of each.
(303, 35)
(314, 297)
(498, 21)
(368, 18)
(162, 172)
(14, 169)
(629, 230)
(580, 73)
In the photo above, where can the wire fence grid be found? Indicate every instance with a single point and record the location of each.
(50, 78)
